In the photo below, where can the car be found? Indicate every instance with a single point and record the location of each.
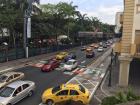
(66, 92)
(96, 46)
(50, 65)
(108, 44)
(61, 55)
(9, 77)
(92, 45)
(83, 48)
(70, 65)
(16, 91)
(71, 55)
(104, 45)
(90, 53)
(89, 48)
(100, 49)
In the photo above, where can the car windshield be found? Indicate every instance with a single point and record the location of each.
(56, 89)
(82, 89)
(69, 63)
(3, 78)
(6, 92)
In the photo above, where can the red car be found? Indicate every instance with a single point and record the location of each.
(51, 65)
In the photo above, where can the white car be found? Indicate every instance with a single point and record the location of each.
(16, 91)
(100, 49)
(9, 77)
(70, 65)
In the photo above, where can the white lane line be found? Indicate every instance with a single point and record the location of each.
(5, 70)
(97, 99)
(103, 84)
(94, 90)
(83, 61)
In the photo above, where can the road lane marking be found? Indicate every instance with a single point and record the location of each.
(97, 99)
(83, 61)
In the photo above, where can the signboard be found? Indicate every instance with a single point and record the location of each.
(29, 28)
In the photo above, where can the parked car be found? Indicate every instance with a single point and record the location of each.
(100, 49)
(71, 55)
(70, 65)
(51, 65)
(9, 77)
(61, 55)
(16, 91)
(66, 92)
(83, 48)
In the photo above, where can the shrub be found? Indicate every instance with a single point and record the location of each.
(112, 100)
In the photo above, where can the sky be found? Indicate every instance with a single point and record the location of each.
(105, 10)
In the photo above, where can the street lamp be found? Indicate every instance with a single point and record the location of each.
(27, 26)
(110, 70)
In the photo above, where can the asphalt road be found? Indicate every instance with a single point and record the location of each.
(49, 79)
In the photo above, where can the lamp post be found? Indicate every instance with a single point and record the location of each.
(110, 70)
(27, 26)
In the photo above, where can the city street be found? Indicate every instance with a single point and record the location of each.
(46, 80)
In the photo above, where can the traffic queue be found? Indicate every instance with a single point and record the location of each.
(13, 87)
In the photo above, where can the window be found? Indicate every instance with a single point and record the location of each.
(25, 86)
(18, 90)
(82, 89)
(137, 32)
(10, 78)
(16, 75)
(6, 92)
(138, 1)
(56, 89)
(138, 8)
(73, 92)
(62, 93)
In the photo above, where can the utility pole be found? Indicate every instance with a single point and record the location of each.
(27, 26)
(110, 70)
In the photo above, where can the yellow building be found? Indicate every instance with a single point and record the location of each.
(129, 47)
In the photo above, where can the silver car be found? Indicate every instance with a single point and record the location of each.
(9, 77)
(16, 91)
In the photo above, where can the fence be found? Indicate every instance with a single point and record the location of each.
(19, 53)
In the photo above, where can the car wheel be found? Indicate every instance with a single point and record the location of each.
(49, 102)
(30, 93)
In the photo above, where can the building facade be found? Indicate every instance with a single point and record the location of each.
(118, 22)
(129, 47)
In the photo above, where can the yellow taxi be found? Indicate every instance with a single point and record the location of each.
(89, 49)
(92, 45)
(61, 55)
(64, 93)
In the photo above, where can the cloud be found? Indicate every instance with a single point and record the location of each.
(104, 13)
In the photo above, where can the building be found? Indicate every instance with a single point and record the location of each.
(118, 22)
(129, 46)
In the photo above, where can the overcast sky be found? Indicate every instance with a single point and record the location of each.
(105, 10)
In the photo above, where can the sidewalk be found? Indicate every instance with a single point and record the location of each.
(133, 81)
